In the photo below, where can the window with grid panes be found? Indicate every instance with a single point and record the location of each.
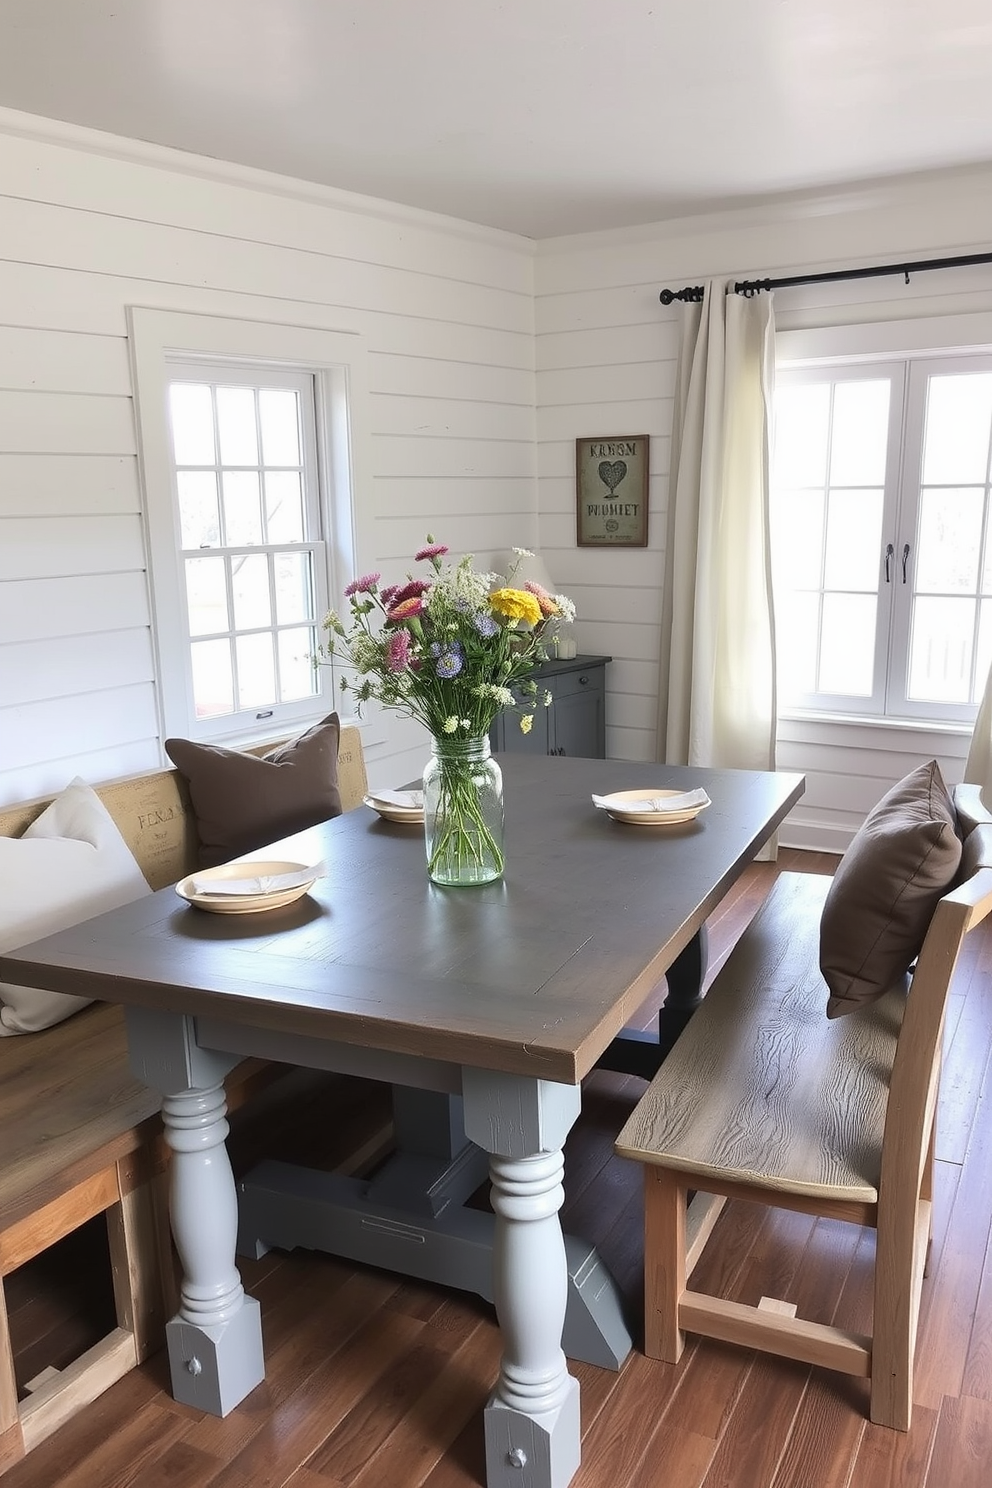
(251, 548)
(881, 541)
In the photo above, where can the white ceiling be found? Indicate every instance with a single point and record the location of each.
(539, 116)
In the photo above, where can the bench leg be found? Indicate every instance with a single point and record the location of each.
(664, 1263)
(901, 1247)
(11, 1439)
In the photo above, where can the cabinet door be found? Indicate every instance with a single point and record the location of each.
(506, 733)
(580, 723)
(538, 741)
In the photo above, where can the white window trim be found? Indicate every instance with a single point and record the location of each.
(338, 361)
(884, 341)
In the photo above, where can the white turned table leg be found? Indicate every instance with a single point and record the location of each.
(532, 1419)
(215, 1339)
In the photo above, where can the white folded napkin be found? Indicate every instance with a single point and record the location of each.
(684, 801)
(263, 883)
(404, 800)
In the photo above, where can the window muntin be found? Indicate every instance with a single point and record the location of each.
(251, 549)
(882, 550)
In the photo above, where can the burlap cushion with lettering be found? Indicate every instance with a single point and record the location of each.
(885, 890)
(243, 802)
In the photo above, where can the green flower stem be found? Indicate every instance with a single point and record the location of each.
(464, 848)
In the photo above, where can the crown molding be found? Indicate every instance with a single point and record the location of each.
(43, 130)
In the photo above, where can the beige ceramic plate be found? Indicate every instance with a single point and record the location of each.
(243, 903)
(391, 812)
(622, 806)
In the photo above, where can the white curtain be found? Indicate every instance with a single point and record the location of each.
(717, 683)
(978, 768)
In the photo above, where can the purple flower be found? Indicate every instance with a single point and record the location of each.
(449, 664)
(388, 595)
(435, 550)
(486, 624)
(364, 585)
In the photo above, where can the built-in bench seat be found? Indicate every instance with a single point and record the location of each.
(80, 1137)
(764, 1099)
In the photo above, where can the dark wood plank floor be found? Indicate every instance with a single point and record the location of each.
(374, 1382)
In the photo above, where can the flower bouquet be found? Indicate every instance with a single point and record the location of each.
(451, 649)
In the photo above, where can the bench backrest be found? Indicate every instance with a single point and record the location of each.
(156, 820)
(916, 1068)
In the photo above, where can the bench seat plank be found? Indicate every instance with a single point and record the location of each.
(762, 1087)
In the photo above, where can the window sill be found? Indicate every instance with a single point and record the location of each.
(865, 720)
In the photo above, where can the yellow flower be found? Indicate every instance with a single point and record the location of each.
(516, 604)
(526, 723)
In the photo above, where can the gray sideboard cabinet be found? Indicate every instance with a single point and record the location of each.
(575, 722)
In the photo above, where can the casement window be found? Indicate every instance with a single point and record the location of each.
(881, 536)
(245, 434)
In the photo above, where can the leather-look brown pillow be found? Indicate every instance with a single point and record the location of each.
(243, 802)
(876, 915)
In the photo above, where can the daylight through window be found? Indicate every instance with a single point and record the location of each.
(880, 530)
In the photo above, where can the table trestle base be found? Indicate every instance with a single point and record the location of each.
(287, 1206)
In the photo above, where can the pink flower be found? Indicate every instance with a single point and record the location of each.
(435, 550)
(413, 586)
(548, 606)
(398, 651)
(405, 609)
(388, 595)
(364, 585)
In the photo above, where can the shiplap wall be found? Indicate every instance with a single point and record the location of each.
(606, 351)
(91, 225)
(462, 439)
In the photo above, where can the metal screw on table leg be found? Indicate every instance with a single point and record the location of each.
(194, 1366)
(517, 1457)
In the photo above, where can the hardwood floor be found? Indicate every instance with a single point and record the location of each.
(373, 1381)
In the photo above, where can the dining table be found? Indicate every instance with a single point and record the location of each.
(484, 1008)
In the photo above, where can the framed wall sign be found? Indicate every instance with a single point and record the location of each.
(611, 492)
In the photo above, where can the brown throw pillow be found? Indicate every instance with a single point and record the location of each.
(885, 890)
(243, 802)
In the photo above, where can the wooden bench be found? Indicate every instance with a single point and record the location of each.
(763, 1098)
(80, 1137)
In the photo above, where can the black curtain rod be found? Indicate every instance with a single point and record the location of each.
(749, 287)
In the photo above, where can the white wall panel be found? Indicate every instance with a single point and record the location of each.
(44, 485)
(451, 418)
(63, 361)
(55, 547)
(39, 609)
(68, 423)
(122, 714)
(64, 237)
(33, 671)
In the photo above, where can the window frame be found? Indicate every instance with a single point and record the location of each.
(336, 360)
(951, 342)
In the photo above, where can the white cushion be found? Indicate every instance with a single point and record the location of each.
(71, 863)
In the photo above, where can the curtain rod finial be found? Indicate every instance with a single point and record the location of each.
(692, 294)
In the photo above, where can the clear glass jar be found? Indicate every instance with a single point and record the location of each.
(463, 812)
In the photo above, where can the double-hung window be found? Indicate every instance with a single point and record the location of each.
(881, 536)
(244, 462)
(246, 439)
